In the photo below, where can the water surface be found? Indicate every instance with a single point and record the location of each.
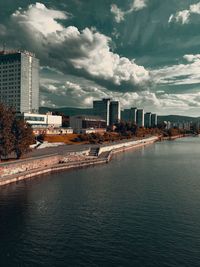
(142, 209)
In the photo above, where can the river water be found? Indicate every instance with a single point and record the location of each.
(142, 209)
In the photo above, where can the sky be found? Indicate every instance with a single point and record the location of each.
(144, 53)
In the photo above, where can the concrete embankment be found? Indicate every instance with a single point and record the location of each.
(24, 169)
(175, 137)
(54, 168)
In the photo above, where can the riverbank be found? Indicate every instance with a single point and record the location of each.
(24, 169)
(175, 137)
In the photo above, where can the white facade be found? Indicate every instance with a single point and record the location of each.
(45, 120)
(19, 81)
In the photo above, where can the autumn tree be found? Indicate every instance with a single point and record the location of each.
(16, 135)
(23, 137)
(6, 135)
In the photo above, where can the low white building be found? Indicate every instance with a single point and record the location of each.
(42, 120)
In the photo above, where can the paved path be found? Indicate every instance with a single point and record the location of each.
(62, 149)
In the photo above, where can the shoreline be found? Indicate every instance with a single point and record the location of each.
(59, 163)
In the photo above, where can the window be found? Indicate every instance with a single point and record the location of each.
(31, 118)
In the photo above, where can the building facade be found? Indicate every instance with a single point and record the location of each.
(19, 81)
(140, 118)
(115, 112)
(130, 115)
(42, 120)
(147, 120)
(93, 123)
(108, 110)
(102, 108)
(154, 120)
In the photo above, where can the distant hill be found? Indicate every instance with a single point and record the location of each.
(68, 111)
(176, 118)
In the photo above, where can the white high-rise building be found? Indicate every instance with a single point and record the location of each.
(19, 81)
(108, 110)
(140, 117)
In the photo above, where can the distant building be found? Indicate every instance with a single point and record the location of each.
(187, 126)
(115, 112)
(130, 115)
(140, 117)
(85, 122)
(154, 120)
(167, 124)
(108, 110)
(42, 120)
(19, 81)
(102, 108)
(147, 119)
(195, 126)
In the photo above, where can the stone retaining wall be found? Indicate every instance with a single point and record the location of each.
(55, 168)
(127, 145)
(20, 166)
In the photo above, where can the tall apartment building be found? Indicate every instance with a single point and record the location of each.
(140, 117)
(19, 81)
(107, 110)
(147, 119)
(102, 108)
(115, 112)
(154, 120)
(130, 115)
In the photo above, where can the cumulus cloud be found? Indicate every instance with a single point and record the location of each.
(180, 74)
(138, 5)
(183, 16)
(120, 14)
(71, 93)
(192, 58)
(181, 101)
(85, 52)
(40, 18)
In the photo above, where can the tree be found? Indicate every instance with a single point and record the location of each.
(23, 137)
(15, 134)
(6, 135)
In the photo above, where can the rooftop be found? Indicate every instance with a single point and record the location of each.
(12, 52)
